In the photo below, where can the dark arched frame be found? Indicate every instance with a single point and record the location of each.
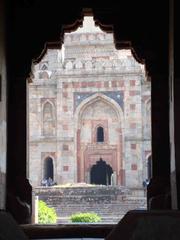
(100, 173)
(151, 49)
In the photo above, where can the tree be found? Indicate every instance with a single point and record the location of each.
(46, 214)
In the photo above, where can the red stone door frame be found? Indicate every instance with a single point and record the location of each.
(92, 154)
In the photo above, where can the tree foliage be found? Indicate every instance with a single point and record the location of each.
(85, 217)
(46, 214)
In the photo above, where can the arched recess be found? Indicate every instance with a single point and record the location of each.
(88, 154)
(48, 119)
(98, 96)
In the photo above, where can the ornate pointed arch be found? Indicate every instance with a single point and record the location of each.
(98, 97)
(114, 152)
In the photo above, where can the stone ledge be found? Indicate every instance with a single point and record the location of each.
(67, 231)
(147, 225)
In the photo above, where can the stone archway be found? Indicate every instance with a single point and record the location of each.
(99, 112)
(48, 168)
(101, 173)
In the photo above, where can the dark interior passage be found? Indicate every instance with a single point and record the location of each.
(101, 173)
(48, 168)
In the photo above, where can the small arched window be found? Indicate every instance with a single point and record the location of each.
(100, 134)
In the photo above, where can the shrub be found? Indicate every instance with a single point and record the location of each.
(46, 214)
(85, 217)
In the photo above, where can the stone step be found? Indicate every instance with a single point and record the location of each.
(108, 220)
(111, 203)
(139, 203)
(94, 209)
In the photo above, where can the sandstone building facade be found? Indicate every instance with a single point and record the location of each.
(89, 113)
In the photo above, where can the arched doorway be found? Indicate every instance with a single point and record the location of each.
(48, 168)
(101, 173)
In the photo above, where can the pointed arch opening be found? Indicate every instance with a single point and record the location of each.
(101, 173)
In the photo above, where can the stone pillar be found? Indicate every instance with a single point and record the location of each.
(33, 207)
(3, 104)
(78, 156)
(160, 126)
(160, 181)
(113, 179)
(87, 176)
(36, 209)
(175, 163)
(174, 100)
(34, 217)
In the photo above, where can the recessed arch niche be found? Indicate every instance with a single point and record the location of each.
(99, 111)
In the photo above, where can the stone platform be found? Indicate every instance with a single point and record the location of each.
(110, 202)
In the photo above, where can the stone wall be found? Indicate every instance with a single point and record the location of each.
(111, 203)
